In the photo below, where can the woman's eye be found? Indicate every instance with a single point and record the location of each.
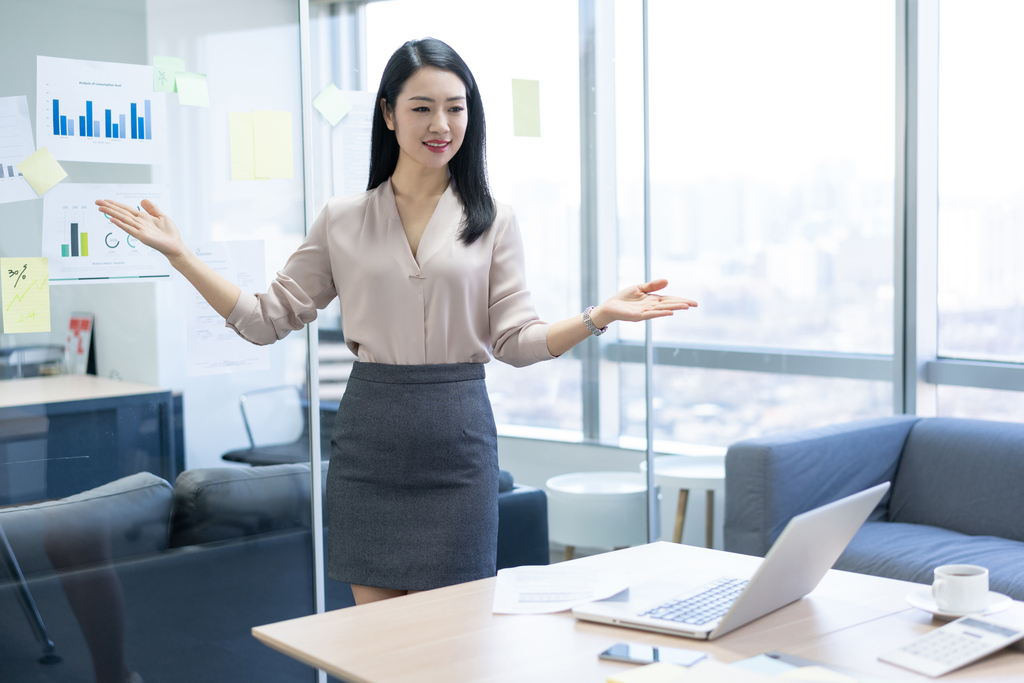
(421, 109)
(456, 110)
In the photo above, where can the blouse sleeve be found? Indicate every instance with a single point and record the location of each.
(304, 285)
(518, 336)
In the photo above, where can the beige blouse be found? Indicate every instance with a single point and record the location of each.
(451, 303)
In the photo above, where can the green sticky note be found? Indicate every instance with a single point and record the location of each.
(526, 108)
(25, 292)
(165, 69)
(192, 89)
(42, 171)
(272, 144)
(332, 104)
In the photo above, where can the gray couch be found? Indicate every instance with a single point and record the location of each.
(957, 493)
(186, 571)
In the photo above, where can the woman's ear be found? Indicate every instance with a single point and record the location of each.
(389, 115)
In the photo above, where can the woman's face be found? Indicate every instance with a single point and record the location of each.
(430, 117)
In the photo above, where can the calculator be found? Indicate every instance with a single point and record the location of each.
(952, 646)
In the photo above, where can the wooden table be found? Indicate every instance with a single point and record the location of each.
(449, 635)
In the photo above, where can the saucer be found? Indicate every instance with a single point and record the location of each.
(922, 599)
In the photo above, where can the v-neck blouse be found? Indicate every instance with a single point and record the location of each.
(452, 303)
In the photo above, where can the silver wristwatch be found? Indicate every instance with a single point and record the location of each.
(590, 323)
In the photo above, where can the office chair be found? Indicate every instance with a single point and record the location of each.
(275, 423)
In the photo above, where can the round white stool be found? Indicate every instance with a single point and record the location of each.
(681, 472)
(597, 509)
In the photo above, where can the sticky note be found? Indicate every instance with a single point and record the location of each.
(165, 69)
(272, 143)
(42, 171)
(332, 104)
(243, 165)
(659, 672)
(526, 108)
(192, 89)
(819, 674)
(25, 293)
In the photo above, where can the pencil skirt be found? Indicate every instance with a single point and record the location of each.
(412, 487)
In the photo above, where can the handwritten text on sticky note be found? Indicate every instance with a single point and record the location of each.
(25, 293)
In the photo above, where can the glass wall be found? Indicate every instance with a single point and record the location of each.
(139, 540)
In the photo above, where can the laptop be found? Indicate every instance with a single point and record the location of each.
(807, 548)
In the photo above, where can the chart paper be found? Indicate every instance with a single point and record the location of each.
(99, 111)
(15, 146)
(85, 247)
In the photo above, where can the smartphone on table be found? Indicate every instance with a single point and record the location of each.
(639, 653)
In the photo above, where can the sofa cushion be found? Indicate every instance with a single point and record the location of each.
(127, 517)
(964, 475)
(218, 503)
(912, 551)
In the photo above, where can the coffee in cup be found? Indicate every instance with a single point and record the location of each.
(961, 588)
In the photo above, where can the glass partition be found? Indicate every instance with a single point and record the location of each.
(154, 467)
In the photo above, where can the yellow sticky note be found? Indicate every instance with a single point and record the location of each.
(272, 143)
(42, 171)
(243, 165)
(659, 672)
(192, 89)
(25, 292)
(332, 104)
(165, 69)
(526, 108)
(819, 674)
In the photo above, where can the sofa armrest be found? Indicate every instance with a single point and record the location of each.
(770, 480)
(522, 527)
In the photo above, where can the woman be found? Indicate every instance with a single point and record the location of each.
(430, 273)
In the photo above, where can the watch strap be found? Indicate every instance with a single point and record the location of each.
(594, 329)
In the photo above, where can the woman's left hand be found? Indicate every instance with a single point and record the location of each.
(639, 303)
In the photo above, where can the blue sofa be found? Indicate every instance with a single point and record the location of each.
(195, 566)
(957, 493)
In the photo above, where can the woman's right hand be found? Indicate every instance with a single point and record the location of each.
(150, 226)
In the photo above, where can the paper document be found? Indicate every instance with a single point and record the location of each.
(85, 247)
(350, 144)
(554, 588)
(41, 171)
(99, 111)
(25, 293)
(243, 165)
(272, 143)
(526, 108)
(212, 348)
(191, 89)
(332, 104)
(15, 146)
(165, 70)
(706, 671)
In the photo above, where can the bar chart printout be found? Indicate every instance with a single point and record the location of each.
(99, 111)
(84, 246)
(15, 146)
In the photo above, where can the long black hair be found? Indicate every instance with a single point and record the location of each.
(468, 167)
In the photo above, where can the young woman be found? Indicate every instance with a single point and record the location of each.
(430, 273)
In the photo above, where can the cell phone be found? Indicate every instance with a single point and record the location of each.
(639, 653)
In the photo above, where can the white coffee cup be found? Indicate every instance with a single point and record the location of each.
(961, 588)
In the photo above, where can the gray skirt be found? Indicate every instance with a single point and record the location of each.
(412, 489)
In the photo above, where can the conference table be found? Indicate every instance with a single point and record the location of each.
(450, 634)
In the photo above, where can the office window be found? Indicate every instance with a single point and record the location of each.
(772, 176)
(538, 176)
(981, 183)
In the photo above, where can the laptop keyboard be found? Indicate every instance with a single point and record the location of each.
(698, 609)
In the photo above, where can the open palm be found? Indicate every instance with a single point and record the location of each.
(639, 302)
(150, 226)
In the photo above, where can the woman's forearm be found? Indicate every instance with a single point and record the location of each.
(567, 333)
(222, 294)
